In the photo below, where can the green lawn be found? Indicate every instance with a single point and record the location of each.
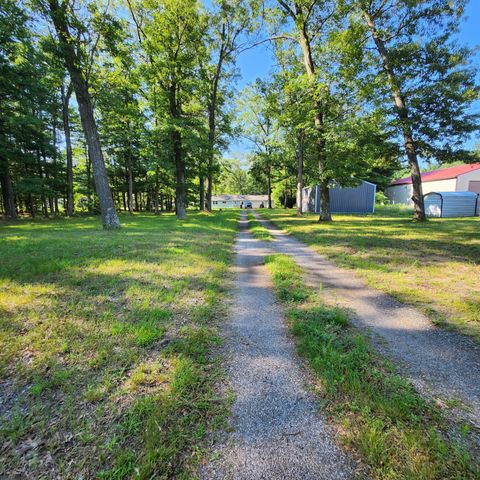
(434, 266)
(104, 342)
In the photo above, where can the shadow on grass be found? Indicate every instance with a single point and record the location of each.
(82, 310)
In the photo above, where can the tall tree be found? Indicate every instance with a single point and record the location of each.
(311, 18)
(61, 15)
(229, 24)
(428, 76)
(172, 33)
(262, 128)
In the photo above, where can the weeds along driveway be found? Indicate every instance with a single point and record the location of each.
(442, 365)
(277, 430)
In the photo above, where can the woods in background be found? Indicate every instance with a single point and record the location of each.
(130, 106)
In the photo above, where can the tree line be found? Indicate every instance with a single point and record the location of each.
(129, 106)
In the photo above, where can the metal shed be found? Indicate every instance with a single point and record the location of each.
(360, 199)
(451, 204)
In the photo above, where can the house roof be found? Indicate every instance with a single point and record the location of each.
(442, 174)
(233, 198)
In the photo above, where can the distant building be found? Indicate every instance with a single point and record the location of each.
(235, 201)
(462, 178)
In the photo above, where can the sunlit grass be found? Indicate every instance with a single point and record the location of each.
(104, 342)
(397, 434)
(434, 266)
(257, 229)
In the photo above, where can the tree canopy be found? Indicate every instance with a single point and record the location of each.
(132, 105)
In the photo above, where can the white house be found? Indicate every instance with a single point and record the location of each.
(462, 178)
(235, 201)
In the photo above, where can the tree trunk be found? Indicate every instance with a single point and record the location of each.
(325, 214)
(212, 121)
(31, 205)
(67, 43)
(7, 191)
(68, 146)
(155, 193)
(202, 193)
(180, 188)
(300, 174)
(89, 181)
(269, 186)
(130, 184)
(40, 174)
(402, 112)
(310, 69)
(211, 152)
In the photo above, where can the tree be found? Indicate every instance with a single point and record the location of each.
(228, 24)
(172, 34)
(61, 16)
(311, 18)
(429, 78)
(262, 128)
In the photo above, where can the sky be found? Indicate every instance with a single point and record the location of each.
(259, 62)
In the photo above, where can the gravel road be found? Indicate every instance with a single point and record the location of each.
(277, 429)
(442, 365)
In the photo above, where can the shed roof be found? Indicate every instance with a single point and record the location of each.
(442, 174)
(453, 194)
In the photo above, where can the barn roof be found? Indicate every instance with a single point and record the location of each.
(442, 174)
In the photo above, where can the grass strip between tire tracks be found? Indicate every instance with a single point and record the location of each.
(398, 434)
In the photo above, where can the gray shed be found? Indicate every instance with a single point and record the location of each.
(451, 204)
(360, 199)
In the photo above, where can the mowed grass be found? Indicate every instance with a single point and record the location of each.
(434, 266)
(396, 433)
(105, 338)
(257, 229)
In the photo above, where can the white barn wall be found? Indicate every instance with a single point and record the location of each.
(403, 193)
(449, 185)
(462, 180)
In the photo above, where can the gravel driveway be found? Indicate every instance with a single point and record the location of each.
(277, 430)
(442, 365)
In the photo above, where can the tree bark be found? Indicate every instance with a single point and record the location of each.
(157, 188)
(67, 43)
(325, 214)
(180, 187)
(212, 120)
(402, 112)
(68, 146)
(305, 45)
(7, 191)
(269, 186)
(202, 193)
(300, 151)
(130, 183)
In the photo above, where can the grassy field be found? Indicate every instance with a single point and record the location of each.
(434, 266)
(104, 345)
(395, 432)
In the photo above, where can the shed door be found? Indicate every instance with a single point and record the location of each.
(474, 186)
